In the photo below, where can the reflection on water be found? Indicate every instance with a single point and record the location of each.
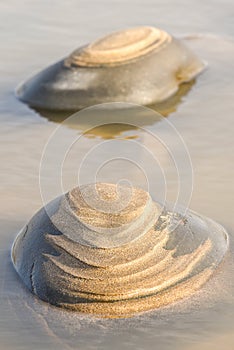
(171, 105)
(115, 129)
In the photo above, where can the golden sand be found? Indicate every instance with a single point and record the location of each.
(95, 255)
(119, 47)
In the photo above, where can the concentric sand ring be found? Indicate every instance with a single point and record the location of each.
(119, 47)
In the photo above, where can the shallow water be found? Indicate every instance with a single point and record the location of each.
(35, 34)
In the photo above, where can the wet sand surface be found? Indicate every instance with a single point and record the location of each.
(35, 34)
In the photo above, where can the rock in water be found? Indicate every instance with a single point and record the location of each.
(142, 65)
(112, 251)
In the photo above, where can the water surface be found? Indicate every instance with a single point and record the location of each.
(35, 34)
